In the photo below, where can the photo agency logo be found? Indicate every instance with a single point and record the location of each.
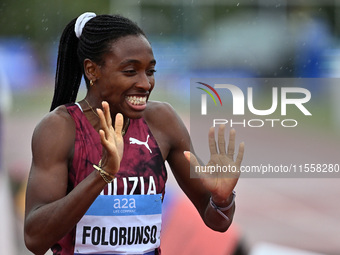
(293, 97)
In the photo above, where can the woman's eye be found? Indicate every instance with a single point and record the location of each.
(151, 71)
(129, 72)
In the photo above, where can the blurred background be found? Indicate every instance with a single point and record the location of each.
(190, 39)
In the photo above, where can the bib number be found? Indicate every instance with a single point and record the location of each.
(128, 224)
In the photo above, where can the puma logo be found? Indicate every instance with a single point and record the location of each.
(136, 141)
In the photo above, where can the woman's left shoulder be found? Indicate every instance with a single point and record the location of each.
(157, 110)
(164, 123)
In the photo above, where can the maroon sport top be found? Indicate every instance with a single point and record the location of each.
(142, 169)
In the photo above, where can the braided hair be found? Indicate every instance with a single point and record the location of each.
(95, 40)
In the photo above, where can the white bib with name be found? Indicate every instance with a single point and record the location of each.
(121, 224)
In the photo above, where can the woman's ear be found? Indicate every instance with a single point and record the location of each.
(91, 70)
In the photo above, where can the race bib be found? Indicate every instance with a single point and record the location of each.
(123, 224)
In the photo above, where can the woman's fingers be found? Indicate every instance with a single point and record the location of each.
(221, 139)
(191, 158)
(212, 142)
(103, 139)
(221, 142)
(106, 121)
(103, 123)
(107, 113)
(119, 123)
(194, 163)
(240, 154)
(231, 144)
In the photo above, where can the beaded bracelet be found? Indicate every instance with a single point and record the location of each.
(220, 210)
(108, 178)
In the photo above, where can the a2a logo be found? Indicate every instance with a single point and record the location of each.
(124, 203)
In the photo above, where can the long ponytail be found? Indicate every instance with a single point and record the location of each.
(69, 70)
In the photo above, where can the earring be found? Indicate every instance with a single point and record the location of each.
(91, 83)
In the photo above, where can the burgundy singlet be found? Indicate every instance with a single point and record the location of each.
(142, 170)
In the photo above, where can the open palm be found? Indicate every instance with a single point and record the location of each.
(111, 139)
(223, 171)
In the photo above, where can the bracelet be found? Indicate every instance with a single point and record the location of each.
(220, 210)
(108, 178)
(104, 172)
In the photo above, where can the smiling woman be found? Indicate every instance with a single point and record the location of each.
(97, 183)
(126, 78)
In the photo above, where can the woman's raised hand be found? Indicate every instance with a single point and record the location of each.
(219, 183)
(111, 139)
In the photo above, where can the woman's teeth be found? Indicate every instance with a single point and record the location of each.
(136, 100)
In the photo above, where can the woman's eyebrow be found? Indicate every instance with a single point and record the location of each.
(135, 61)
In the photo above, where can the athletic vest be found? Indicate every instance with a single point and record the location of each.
(126, 217)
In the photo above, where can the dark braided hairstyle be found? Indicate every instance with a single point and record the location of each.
(96, 39)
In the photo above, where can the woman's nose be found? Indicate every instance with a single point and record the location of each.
(144, 82)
